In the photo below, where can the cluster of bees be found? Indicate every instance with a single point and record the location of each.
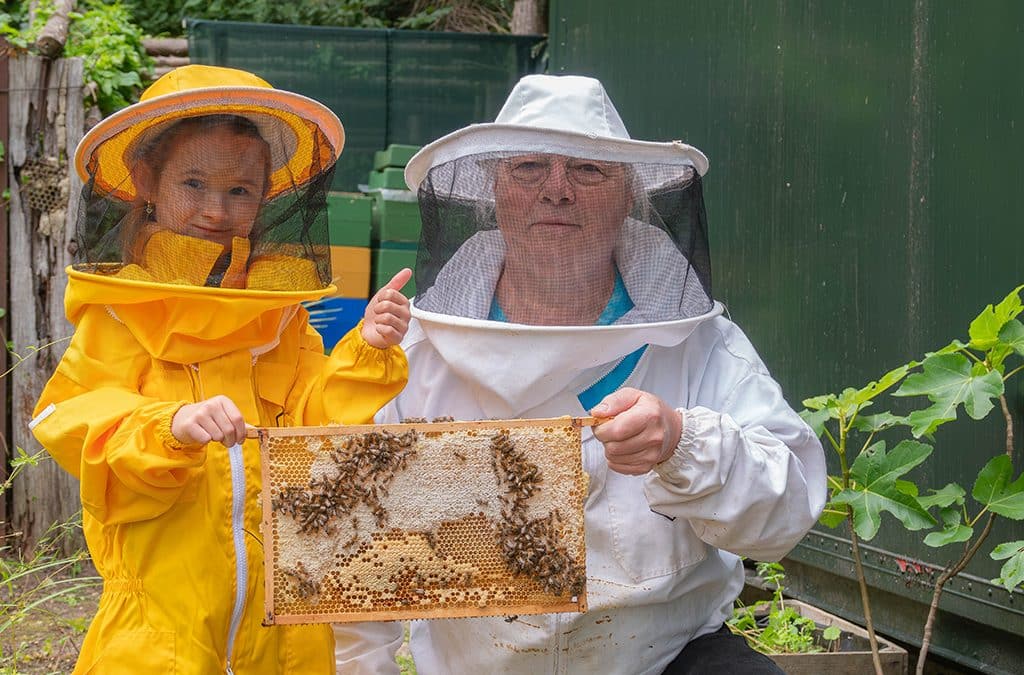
(530, 547)
(303, 585)
(364, 466)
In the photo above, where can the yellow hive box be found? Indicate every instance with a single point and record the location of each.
(350, 267)
(423, 520)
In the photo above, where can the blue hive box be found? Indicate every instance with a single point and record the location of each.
(333, 317)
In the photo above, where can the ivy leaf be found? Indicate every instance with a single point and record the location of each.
(984, 330)
(1012, 573)
(947, 496)
(952, 531)
(994, 489)
(876, 475)
(879, 422)
(816, 419)
(949, 380)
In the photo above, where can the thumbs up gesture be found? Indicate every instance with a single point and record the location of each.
(387, 315)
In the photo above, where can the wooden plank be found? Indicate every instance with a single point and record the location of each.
(349, 429)
(5, 435)
(46, 123)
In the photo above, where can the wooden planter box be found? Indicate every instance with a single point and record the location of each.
(854, 655)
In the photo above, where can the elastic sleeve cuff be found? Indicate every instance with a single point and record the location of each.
(680, 457)
(163, 430)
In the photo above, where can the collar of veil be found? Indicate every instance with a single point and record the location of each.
(516, 368)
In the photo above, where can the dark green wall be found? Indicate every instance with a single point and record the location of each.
(386, 86)
(865, 196)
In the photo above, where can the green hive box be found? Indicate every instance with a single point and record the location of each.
(395, 220)
(386, 264)
(395, 155)
(349, 217)
(390, 178)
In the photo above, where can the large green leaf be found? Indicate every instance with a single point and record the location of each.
(873, 389)
(833, 515)
(875, 490)
(984, 330)
(874, 466)
(879, 422)
(1012, 573)
(947, 496)
(1012, 334)
(816, 419)
(949, 380)
(819, 402)
(868, 505)
(952, 532)
(994, 489)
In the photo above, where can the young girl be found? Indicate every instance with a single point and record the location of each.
(204, 227)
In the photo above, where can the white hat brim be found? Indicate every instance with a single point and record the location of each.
(493, 137)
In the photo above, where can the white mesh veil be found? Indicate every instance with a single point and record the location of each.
(548, 238)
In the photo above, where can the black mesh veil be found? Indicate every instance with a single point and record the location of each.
(549, 239)
(206, 200)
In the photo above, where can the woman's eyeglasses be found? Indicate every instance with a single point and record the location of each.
(533, 171)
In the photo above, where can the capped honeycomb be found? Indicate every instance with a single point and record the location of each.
(423, 520)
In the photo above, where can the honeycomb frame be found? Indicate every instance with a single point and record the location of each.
(423, 520)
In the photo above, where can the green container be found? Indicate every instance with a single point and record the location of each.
(390, 178)
(396, 155)
(349, 217)
(386, 262)
(395, 220)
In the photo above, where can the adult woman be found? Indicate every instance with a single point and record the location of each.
(564, 269)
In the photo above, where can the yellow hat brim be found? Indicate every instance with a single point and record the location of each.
(108, 147)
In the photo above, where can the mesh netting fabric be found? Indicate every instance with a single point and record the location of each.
(548, 239)
(215, 200)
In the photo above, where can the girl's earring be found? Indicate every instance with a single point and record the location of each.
(150, 210)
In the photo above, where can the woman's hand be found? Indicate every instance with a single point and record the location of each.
(644, 432)
(387, 315)
(215, 419)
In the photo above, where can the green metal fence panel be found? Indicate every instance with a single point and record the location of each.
(386, 86)
(864, 204)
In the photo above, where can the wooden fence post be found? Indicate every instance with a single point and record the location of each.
(5, 435)
(46, 122)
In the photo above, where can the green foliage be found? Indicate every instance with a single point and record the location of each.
(111, 49)
(874, 488)
(776, 628)
(970, 376)
(1012, 573)
(114, 60)
(165, 17)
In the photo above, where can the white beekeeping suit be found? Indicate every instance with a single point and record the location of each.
(560, 262)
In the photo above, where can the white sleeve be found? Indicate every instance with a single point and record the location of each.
(367, 648)
(748, 473)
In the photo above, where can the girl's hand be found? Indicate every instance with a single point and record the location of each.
(215, 419)
(387, 315)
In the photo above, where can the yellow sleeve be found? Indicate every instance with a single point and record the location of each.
(350, 385)
(94, 422)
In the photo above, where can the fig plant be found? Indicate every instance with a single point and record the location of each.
(873, 479)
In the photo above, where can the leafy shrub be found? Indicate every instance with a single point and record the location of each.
(110, 44)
